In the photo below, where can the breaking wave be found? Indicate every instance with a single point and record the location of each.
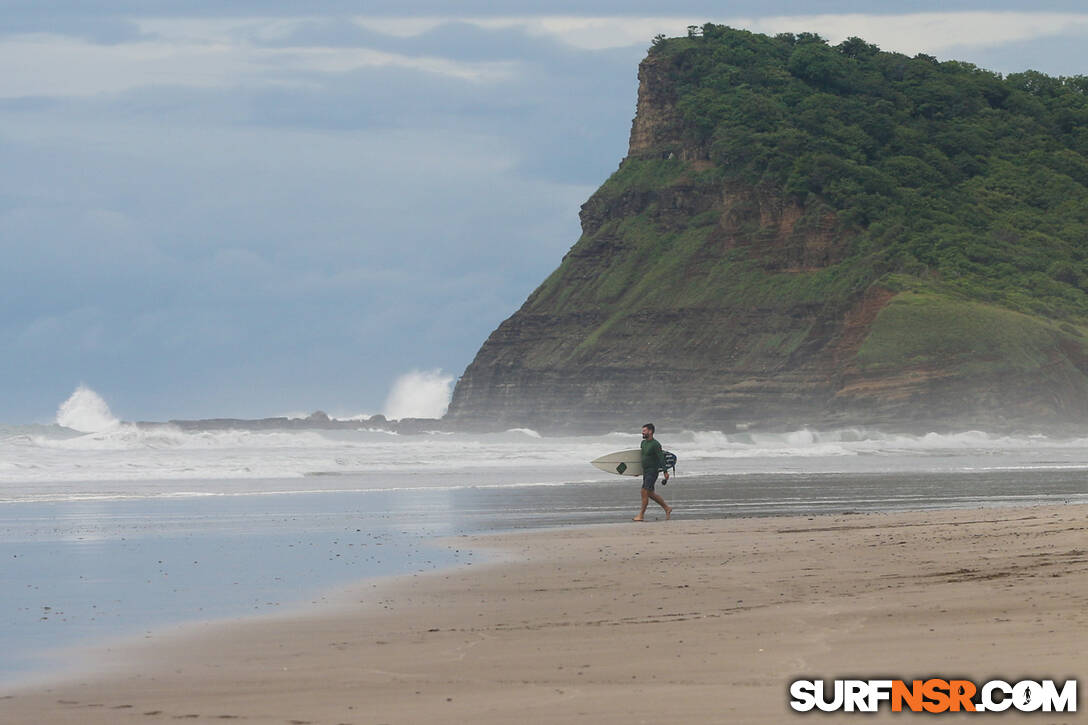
(805, 443)
(85, 411)
(419, 394)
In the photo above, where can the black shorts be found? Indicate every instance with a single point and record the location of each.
(649, 478)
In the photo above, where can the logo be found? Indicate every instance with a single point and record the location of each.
(934, 695)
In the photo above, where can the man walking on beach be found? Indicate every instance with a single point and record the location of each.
(653, 460)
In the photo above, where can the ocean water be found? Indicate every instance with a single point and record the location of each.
(128, 528)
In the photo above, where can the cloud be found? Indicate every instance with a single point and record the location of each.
(93, 28)
(1050, 55)
(928, 32)
(559, 106)
(905, 32)
(48, 12)
(585, 32)
(56, 65)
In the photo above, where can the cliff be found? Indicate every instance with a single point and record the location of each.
(803, 234)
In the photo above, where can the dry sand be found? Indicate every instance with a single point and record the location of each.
(660, 622)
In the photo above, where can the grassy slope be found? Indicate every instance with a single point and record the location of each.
(926, 330)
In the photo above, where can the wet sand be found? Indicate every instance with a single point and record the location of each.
(661, 622)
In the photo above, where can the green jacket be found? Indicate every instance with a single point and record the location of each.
(653, 456)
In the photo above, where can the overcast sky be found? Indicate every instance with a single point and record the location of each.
(248, 213)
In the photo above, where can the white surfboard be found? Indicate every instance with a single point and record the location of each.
(625, 463)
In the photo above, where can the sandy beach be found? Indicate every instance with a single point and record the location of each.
(681, 621)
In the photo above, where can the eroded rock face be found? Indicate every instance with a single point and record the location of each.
(688, 367)
(610, 340)
(657, 127)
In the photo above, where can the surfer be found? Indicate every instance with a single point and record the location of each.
(653, 460)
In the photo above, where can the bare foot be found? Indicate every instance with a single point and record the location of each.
(637, 518)
(668, 512)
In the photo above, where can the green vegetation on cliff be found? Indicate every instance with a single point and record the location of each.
(953, 173)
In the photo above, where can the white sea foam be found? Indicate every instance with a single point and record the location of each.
(86, 412)
(807, 443)
(126, 460)
(355, 417)
(419, 394)
(525, 431)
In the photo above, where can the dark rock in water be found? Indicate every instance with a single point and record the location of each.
(803, 234)
(317, 421)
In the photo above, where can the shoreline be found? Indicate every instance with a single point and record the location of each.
(704, 620)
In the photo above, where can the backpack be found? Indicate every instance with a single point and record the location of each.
(670, 462)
